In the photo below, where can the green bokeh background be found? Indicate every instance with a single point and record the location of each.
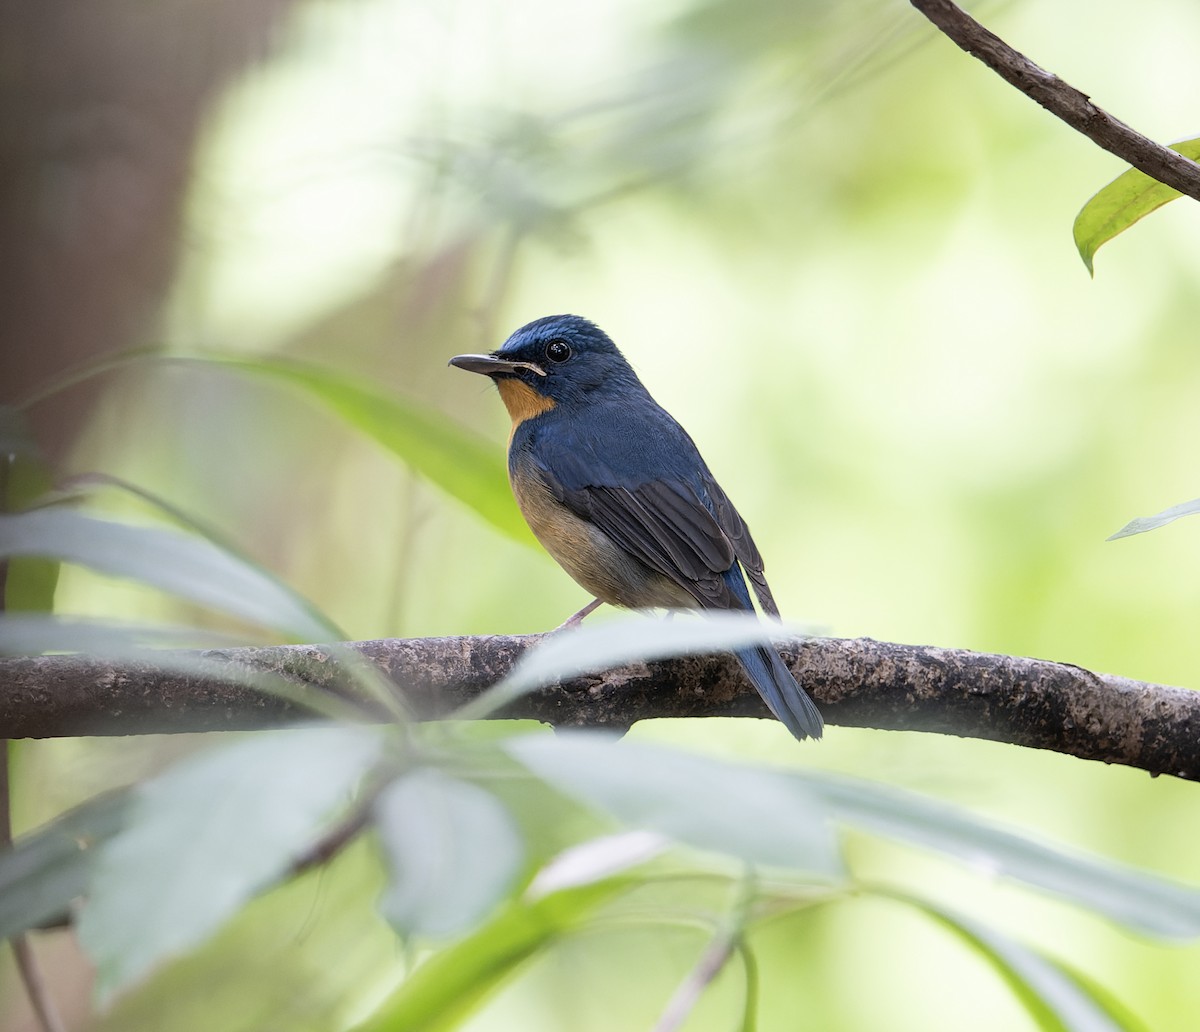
(839, 251)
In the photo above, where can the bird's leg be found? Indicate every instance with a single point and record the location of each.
(577, 619)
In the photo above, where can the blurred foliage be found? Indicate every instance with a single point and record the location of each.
(840, 253)
(171, 862)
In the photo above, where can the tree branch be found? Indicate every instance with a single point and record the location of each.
(1063, 100)
(857, 682)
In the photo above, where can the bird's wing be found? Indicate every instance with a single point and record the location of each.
(658, 501)
(658, 523)
(744, 547)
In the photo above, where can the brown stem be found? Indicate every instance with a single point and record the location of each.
(27, 966)
(35, 987)
(1063, 100)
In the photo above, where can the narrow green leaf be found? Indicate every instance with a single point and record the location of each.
(207, 835)
(750, 1003)
(452, 984)
(142, 646)
(187, 566)
(193, 525)
(31, 634)
(47, 869)
(1053, 998)
(1121, 1016)
(1134, 898)
(463, 464)
(29, 584)
(635, 639)
(1128, 198)
(1160, 519)
(452, 851)
(759, 815)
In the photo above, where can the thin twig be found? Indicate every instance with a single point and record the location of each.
(35, 986)
(723, 945)
(1063, 100)
(341, 834)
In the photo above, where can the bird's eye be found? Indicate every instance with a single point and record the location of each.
(558, 351)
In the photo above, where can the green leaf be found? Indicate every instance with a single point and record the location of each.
(1056, 1000)
(635, 639)
(1160, 519)
(47, 869)
(192, 525)
(1134, 898)
(187, 566)
(463, 464)
(452, 983)
(1129, 197)
(31, 634)
(595, 860)
(298, 958)
(207, 835)
(758, 815)
(26, 634)
(452, 851)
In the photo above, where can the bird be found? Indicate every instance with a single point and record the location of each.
(618, 494)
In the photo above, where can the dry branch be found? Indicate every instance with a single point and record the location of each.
(857, 682)
(1063, 100)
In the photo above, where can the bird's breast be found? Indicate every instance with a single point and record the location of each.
(589, 555)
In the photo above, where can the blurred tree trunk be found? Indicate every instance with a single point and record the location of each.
(101, 104)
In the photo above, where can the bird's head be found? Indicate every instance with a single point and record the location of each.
(558, 360)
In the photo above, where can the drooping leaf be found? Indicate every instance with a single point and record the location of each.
(1134, 898)
(87, 482)
(1057, 1001)
(46, 870)
(1128, 198)
(1159, 519)
(460, 462)
(454, 982)
(452, 852)
(187, 566)
(636, 639)
(205, 836)
(758, 815)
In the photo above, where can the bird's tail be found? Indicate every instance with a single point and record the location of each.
(782, 693)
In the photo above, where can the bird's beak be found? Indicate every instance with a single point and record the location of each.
(489, 365)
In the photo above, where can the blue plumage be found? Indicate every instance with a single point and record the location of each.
(617, 492)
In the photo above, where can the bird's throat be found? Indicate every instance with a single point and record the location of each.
(521, 400)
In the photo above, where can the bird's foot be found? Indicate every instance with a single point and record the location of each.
(577, 619)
